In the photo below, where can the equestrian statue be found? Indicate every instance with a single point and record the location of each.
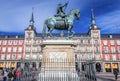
(61, 21)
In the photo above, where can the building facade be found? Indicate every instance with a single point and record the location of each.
(25, 51)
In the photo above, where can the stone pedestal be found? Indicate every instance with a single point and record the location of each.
(58, 56)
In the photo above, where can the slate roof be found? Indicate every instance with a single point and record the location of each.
(21, 36)
(12, 36)
(65, 35)
(110, 36)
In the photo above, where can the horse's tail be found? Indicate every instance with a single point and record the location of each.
(44, 30)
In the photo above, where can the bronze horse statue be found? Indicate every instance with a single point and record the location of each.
(61, 23)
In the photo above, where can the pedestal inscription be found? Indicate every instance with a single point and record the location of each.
(57, 56)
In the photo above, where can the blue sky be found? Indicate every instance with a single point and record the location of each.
(15, 14)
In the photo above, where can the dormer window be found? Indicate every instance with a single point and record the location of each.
(16, 36)
(6, 37)
(110, 36)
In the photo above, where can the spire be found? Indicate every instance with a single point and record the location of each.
(93, 23)
(32, 18)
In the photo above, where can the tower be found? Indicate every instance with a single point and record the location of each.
(30, 33)
(94, 33)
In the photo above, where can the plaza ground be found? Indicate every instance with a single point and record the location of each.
(106, 77)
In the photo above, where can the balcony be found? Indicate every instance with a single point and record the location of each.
(35, 51)
(36, 44)
(28, 51)
(103, 52)
(28, 44)
(109, 60)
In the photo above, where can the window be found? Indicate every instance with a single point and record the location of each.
(105, 49)
(34, 49)
(29, 34)
(35, 41)
(3, 57)
(8, 56)
(95, 34)
(98, 57)
(107, 57)
(105, 42)
(88, 41)
(118, 42)
(9, 49)
(96, 49)
(118, 49)
(96, 42)
(88, 49)
(20, 49)
(10, 42)
(114, 57)
(81, 41)
(111, 42)
(4, 42)
(20, 42)
(27, 49)
(28, 42)
(112, 49)
(82, 49)
(13, 56)
(14, 49)
(15, 42)
(90, 56)
(3, 49)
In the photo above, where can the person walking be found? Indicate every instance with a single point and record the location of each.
(1, 76)
(5, 75)
(10, 76)
(18, 75)
(115, 74)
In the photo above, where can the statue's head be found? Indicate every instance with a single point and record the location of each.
(77, 13)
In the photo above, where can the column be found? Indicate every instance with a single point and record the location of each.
(94, 66)
(80, 66)
(119, 66)
(111, 67)
(103, 66)
(37, 65)
(15, 64)
(4, 64)
(22, 65)
(9, 64)
(31, 65)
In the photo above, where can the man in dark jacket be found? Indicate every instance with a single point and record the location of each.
(10, 76)
(116, 74)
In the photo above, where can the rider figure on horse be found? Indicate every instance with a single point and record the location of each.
(60, 11)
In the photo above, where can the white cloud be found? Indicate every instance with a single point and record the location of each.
(109, 22)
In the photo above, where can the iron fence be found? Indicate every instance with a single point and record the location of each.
(65, 70)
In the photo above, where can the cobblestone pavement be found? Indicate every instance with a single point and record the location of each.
(106, 77)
